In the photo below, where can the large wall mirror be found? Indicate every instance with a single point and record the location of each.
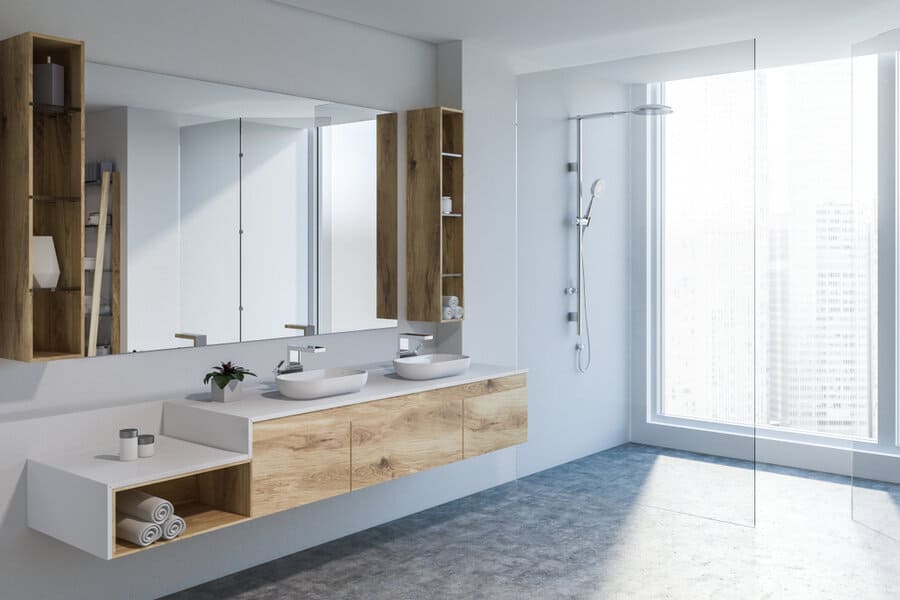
(244, 215)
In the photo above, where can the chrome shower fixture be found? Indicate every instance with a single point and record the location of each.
(641, 110)
(596, 191)
(583, 220)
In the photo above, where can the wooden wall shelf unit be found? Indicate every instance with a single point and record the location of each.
(386, 216)
(434, 241)
(41, 193)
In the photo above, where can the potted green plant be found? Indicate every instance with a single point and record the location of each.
(226, 381)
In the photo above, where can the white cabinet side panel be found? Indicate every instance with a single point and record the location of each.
(69, 508)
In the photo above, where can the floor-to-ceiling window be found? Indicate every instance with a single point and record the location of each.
(768, 221)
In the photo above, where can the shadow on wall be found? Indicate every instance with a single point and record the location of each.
(20, 383)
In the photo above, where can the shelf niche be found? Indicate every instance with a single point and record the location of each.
(434, 240)
(206, 501)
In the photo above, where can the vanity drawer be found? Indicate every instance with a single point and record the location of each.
(497, 419)
(400, 436)
(299, 460)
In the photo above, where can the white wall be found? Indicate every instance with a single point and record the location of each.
(209, 277)
(489, 102)
(572, 414)
(151, 248)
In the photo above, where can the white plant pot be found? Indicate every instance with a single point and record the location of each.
(231, 392)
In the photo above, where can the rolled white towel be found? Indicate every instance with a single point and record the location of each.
(451, 301)
(143, 506)
(137, 532)
(457, 312)
(447, 313)
(173, 527)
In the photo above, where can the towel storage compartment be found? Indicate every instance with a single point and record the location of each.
(206, 501)
(72, 496)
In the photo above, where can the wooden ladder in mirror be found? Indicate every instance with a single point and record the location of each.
(98, 265)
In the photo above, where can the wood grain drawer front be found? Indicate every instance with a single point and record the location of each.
(299, 460)
(400, 436)
(496, 420)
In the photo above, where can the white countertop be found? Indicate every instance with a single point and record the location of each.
(262, 402)
(173, 457)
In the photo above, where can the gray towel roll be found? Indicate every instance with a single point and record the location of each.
(140, 533)
(143, 506)
(173, 527)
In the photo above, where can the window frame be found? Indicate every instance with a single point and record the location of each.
(650, 425)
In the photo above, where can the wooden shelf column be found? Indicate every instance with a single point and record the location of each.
(41, 193)
(434, 241)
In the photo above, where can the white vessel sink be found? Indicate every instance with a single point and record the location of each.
(320, 383)
(431, 366)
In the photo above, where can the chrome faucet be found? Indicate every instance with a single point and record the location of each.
(293, 362)
(406, 350)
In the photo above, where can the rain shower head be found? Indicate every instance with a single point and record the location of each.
(641, 110)
(652, 110)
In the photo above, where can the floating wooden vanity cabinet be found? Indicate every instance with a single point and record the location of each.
(334, 446)
(41, 193)
(301, 459)
(386, 216)
(434, 240)
(400, 436)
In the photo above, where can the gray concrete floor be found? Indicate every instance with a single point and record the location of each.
(631, 522)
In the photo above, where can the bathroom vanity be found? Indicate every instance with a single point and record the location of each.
(223, 464)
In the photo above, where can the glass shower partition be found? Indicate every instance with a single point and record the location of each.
(691, 192)
(875, 473)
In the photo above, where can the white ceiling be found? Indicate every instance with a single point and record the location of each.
(545, 34)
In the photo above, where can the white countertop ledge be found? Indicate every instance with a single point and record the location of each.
(173, 458)
(262, 402)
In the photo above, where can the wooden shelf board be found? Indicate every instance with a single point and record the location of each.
(455, 215)
(47, 355)
(460, 320)
(56, 290)
(54, 110)
(198, 517)
(43, 198)
(449, 275)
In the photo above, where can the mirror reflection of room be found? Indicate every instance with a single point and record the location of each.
(245, 215)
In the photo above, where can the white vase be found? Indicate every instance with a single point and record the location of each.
(231, 392)
(44, 263)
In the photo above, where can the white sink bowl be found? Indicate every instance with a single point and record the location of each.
(431, 366)
(320, 383)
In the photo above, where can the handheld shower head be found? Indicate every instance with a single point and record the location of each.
(596, 192)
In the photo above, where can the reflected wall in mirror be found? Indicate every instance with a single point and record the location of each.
(246, 215)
